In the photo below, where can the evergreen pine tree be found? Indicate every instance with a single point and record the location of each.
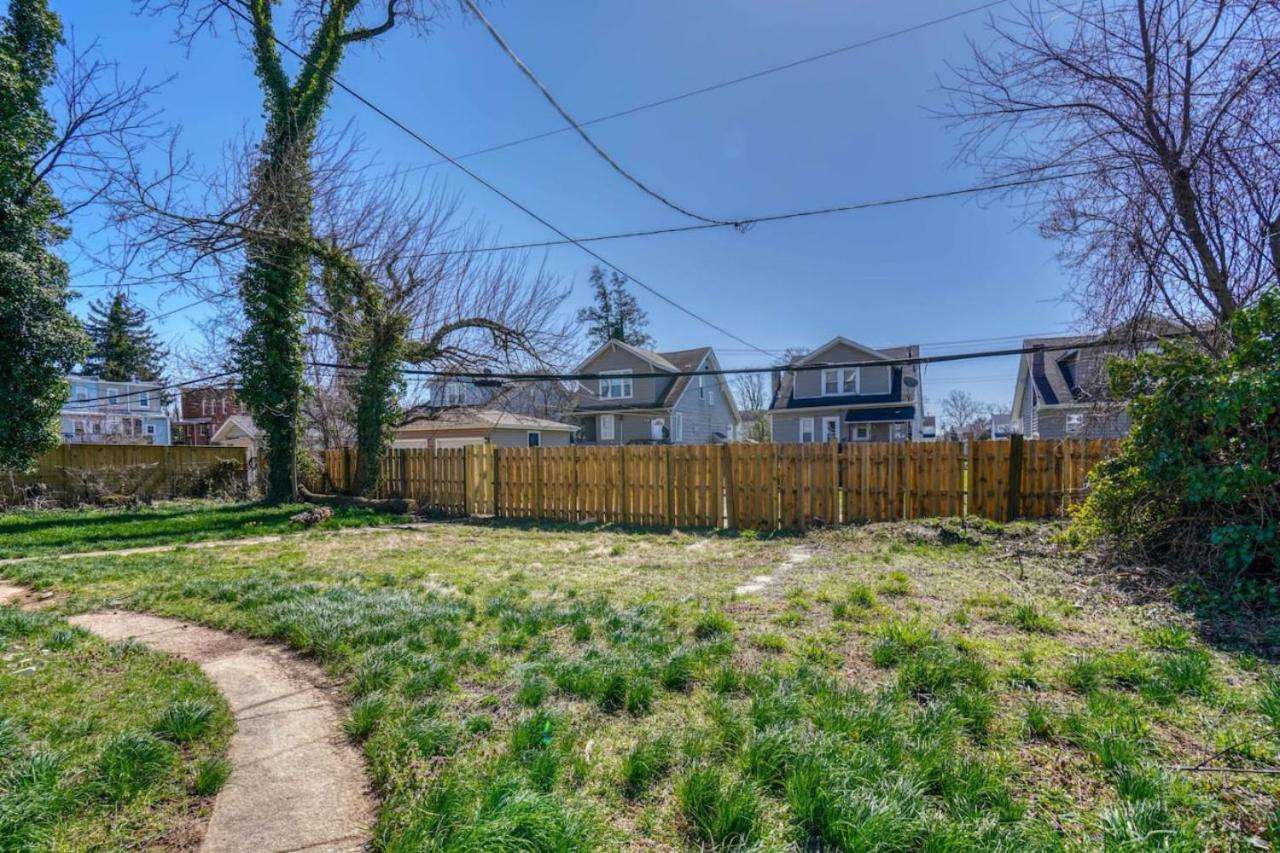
(616, 315)
(123, 345)
(39, 339)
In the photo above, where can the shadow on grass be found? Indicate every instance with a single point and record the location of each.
(550, 526)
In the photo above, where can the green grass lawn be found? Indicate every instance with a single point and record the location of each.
(102, 747)
(26, 533)
(912, 687)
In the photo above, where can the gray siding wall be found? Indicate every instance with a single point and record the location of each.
(874, 380)
(786, 427)
(520, 437)
(1052, 423)
(644, 392)
(704, 414)
(626, 428)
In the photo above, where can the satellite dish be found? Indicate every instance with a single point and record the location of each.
(910, 381)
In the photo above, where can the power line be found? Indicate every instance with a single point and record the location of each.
(74, 404)
(732, 371)
(703, 90)
(564, 113)
(494, 189)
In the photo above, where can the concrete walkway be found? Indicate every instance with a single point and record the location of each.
(296, 783)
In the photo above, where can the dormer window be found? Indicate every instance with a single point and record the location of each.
(615, 385)
(840, 381)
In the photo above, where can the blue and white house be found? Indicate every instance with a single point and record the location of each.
(818, 397)
(103, 412)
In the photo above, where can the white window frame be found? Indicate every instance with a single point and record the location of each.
(847, 381)
(1074, 424)
(204, 404)
(82, 393)
(534, 438)
(77, 427)
(806, 426)
(144, 399)
(113, 397)
(150, 429)
(677, 426)
(624, 384)
(834, 424)
(702, 387)
(862, 432)
(604, 428)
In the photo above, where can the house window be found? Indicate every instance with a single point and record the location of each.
(455, 394)
(605, 427)
(1067, 364)
(97, 427)
(677, 427)
(78, 427)
(1075, 424)
(224, 405)
(82, 393)
(702, 387)
(862, 432)
(806, 430)
(616, 385)
(838, 381)
(151, 429)
(535, 439)
(830, 429)
(657, 429)
(113, 398)
(144, 399)
(204, 405)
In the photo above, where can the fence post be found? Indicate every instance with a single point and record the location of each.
(671, 488)
(1015, 477)
(495, 479)
(730, 496)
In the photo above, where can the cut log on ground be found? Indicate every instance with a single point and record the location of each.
(398, 506)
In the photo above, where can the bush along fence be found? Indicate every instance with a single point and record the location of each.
(741, 486)
(125, 473)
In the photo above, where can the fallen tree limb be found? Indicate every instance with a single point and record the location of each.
(398, 506)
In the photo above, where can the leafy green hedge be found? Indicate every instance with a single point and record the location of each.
(1197, 481)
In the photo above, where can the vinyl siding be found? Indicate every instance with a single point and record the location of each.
(520, 437)
(786, 427)
(873, 380)
(644, 392)
(704, 415)
(1052, 423)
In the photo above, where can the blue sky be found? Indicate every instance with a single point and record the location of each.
(851, 128)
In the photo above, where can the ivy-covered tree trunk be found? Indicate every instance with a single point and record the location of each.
(39, 339)
(273, 285)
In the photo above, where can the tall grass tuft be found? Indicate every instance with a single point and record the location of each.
(184, 721)
(131, 762)
(718, 810)
(648, 761)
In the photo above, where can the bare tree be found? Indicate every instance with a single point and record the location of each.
(1151, 132)
(963, 415)
(752, 393)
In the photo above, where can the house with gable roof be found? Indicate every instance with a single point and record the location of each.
(818, 398)
(633, 400)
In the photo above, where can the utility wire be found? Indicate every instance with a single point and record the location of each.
(724, 84)
(731, 371)
(604, 155)
(494, 189)
(74, 404)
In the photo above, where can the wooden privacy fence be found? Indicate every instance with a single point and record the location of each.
(93, 472)
(741, 486)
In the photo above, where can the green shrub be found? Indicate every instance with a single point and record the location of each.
(1202, 489)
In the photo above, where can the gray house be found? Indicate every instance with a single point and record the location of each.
(1061, 390)
(814, 399)
(628, 404)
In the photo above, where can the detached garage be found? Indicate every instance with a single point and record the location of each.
(461, 427)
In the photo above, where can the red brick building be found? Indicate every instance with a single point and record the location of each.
(202, 410)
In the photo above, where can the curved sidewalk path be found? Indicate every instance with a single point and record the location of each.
(296, 783)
